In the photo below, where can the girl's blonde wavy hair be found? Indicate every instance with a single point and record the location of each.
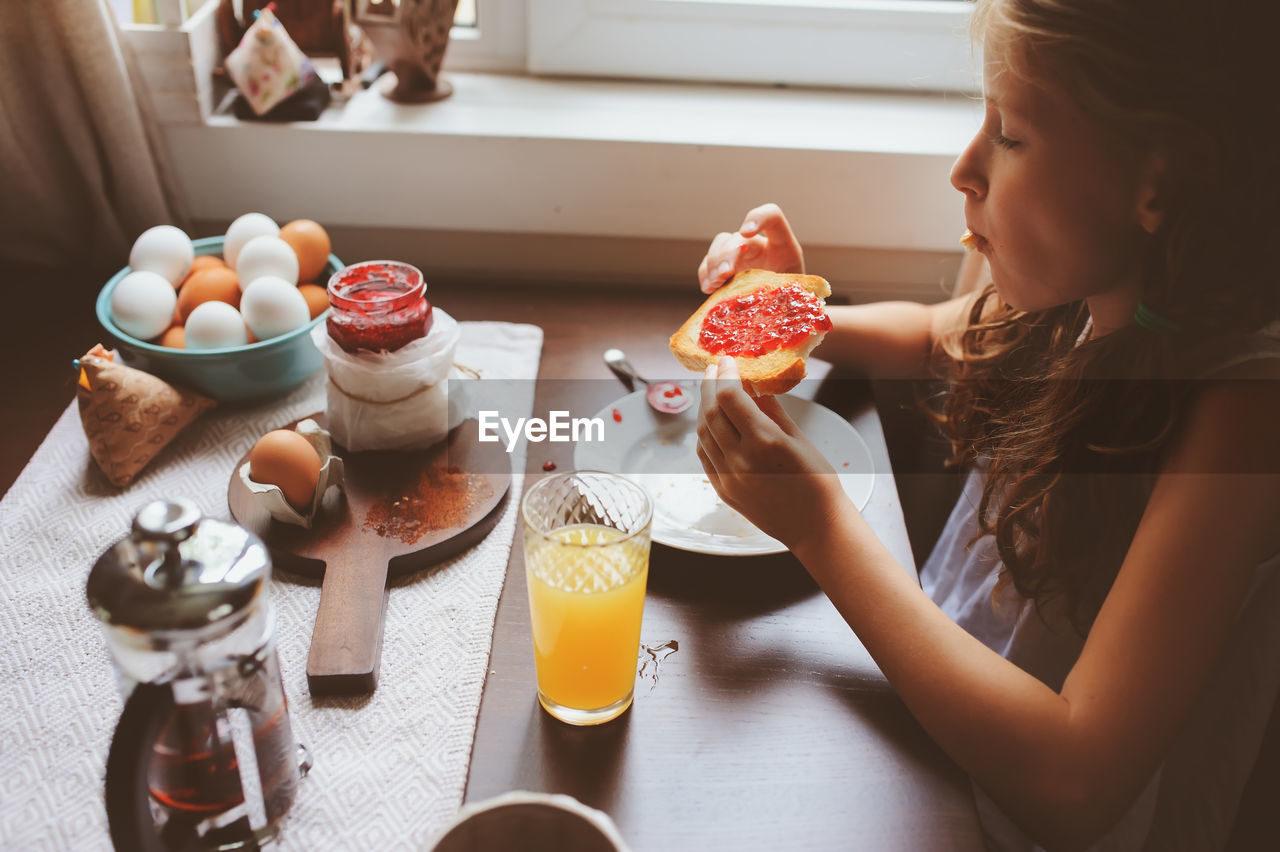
(1073, 434)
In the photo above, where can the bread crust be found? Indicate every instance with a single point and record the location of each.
(765, 375)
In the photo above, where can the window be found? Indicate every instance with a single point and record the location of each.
(883, 44)
(488, 35)
(465, 16)
(172, 12)
(917, 45)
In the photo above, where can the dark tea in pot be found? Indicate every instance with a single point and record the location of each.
(195, 771)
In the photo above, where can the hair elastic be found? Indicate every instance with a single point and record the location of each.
(1152, 321)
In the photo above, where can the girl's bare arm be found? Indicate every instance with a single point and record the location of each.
(897, 340)
(1067, 765)
(890, 340)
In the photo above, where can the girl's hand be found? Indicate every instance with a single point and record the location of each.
(765, 241)
(760, 463)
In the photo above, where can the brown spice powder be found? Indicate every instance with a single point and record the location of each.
(441, 498)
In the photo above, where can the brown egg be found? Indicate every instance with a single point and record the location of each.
(310, 243)
(285, 459)
(202, 261)
(215, 284)
(206, 260)
(175, 337)
(317, 298)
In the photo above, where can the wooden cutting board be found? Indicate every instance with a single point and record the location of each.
(400, 512)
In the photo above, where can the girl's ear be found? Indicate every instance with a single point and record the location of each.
(1150, 210)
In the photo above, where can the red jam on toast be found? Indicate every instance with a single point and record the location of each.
(763, 321)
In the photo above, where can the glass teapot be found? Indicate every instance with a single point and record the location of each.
(203, 756)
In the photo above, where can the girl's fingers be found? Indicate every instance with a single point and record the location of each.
(718, 265)
(750, 250)
(781, 251)
(740, 410)
(723, 272)
(764, 232)
(712, 458)
(761, 218)
(711, 418)
(726, 368)
(775, 412)
(714, 427)
(705, 401)
(708, 401)
(709, 467)
(709, 262)
(709, 449)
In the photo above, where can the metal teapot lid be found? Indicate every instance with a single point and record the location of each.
(178, 571)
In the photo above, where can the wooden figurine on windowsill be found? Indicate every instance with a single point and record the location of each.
(409, 37)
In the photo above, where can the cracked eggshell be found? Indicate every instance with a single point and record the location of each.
(272, 498)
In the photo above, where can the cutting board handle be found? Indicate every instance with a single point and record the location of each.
(346, 644)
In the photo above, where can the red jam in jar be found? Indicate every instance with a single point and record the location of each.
(762, 321)
(378, 305)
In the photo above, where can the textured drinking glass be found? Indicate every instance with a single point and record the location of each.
(586, 554)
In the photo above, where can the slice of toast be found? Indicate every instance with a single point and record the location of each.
(772, 372)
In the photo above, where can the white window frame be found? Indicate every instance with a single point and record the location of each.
(495, 43)
(880, 44)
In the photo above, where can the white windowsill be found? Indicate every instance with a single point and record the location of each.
(861, 175)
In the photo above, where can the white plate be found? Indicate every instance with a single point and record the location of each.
(659, 451)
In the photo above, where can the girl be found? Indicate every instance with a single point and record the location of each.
(1097, 639)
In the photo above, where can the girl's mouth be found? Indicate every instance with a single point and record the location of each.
(973, 242)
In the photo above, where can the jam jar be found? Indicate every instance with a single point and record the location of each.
(378, 305)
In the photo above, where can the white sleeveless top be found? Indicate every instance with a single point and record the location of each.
(1191, 800)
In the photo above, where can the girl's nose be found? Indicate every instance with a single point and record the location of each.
(968, 174)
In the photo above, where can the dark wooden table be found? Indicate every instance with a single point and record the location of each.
(769, 728)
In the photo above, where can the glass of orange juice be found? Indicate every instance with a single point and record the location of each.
(586, 553)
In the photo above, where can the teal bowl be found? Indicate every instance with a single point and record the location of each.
(254, 372)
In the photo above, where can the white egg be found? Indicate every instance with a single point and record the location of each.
(272, 306)
(142, 304)
(263, 256)
(164, 250)
(215, 325)
(242, 230)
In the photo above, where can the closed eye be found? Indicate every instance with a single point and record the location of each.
(1004, 141)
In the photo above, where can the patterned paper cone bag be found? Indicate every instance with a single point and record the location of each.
(130, 416)
(267, 66)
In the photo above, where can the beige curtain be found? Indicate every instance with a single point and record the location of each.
(81, 161)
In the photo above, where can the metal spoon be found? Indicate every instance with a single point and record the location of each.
(663, 397)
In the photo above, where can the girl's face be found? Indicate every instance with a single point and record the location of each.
(1054, 201)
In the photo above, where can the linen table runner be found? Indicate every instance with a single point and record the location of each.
(390, 768)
